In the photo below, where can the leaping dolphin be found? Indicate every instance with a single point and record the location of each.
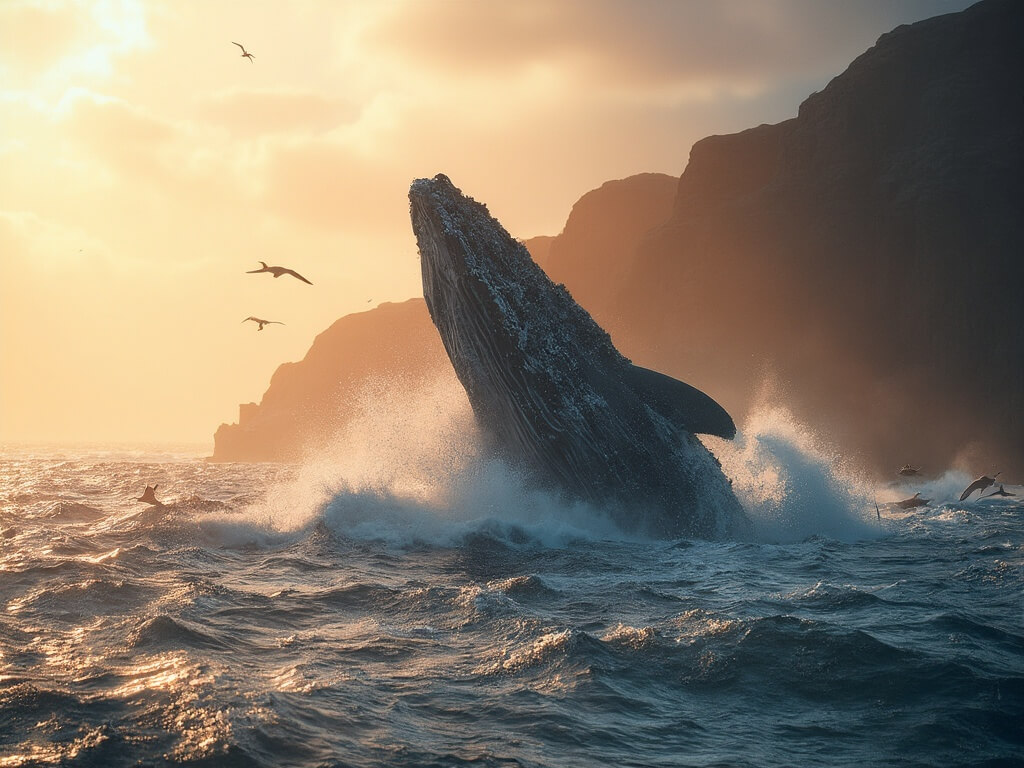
(980, 484)
(1001, 492)
(913, 501)
(550, 391)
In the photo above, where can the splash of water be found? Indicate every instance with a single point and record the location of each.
(791, 485)
(414, 470)
(410, 468)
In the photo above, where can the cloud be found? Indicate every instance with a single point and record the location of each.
(326, 184)
(135, 133)
(182, 168)
(644, 44)
(42, 245)
(257, 113)
(49, 46)
(103, 121)
(33, 37)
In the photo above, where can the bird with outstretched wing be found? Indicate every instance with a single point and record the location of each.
(245, 53)
(277, 272)
(261, 323)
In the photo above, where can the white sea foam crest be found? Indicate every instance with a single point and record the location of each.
(536, 652)
(791, 485)
(409, 468)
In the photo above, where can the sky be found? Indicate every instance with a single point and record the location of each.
(145, 165)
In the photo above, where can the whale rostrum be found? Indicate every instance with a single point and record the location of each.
(550, 391)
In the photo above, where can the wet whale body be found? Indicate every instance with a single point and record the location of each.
(551, 392)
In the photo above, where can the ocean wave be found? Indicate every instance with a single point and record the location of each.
(70, 511)
(791, 485)
(551, 647)
(830, 597)
(163, 631)
(526, 586)
(81, 599)
(626, 636)
(326, 620)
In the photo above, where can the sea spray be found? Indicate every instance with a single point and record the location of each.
(791, 486)
(410, 467)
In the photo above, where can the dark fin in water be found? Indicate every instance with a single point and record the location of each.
(149, 496)
(685, 406)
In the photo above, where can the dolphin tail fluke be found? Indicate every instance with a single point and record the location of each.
(685, 406)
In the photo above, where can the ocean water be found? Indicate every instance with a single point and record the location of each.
(405, 602)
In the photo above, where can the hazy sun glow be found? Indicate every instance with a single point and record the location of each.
(145, 165)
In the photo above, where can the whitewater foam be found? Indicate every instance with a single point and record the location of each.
(791, 485)
(410, 469)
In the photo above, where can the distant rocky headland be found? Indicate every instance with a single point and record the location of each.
(865, 258)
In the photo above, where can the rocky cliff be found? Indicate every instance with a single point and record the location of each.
(866, 253)
(597, 247)
(307, 402)
(864, 256)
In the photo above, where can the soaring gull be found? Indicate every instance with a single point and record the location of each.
(261, 322)
(245, 53)
(277, 272)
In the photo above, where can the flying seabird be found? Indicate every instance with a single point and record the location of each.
(149, 496)
(908, 470)
(244, 52)
(980, 484)
(913, 501)
(277, 272)
(261, 322)
(1001, 492)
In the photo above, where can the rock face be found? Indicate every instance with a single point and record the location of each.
(866, 256)
(596, 249)
(551, 392)
(308, 402)
(869, 253)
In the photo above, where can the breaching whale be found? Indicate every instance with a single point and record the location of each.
(550, 391)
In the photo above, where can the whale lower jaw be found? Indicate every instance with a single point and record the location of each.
(550, 391)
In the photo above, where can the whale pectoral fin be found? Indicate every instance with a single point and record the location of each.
(685, 406)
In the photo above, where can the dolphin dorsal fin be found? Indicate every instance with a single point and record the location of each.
(685, 406)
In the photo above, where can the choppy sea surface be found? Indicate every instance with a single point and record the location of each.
(285, 615)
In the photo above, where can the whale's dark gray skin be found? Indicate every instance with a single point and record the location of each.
(550, 390)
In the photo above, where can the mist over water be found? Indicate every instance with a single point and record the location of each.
(404, 599)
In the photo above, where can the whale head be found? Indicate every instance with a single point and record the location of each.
(548, 387)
